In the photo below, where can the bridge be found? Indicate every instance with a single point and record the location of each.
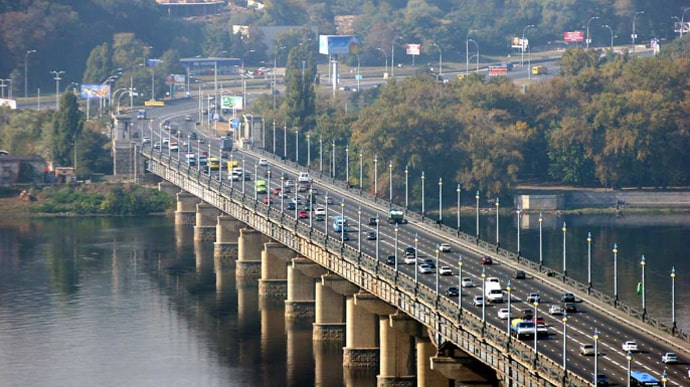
(391, 316)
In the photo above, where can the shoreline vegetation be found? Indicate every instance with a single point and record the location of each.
(109, 199)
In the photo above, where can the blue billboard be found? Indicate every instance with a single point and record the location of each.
(339, 44)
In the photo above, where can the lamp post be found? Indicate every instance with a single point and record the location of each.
(588, 39)
(393, 55)
(325, 223)
(282, 192)
(610, 32)
(458, 190)
(347, 165)
(589, 261)
(359, 227)
(385, 68)
(476, 196)
(536, 352)
(615, 273)
(244, 79)
(629, 358)
(483, 296)
(256, 177)
(416, 242)
(285, 141)
(565, 343)
(440, 200)
(333, 159)
(440, 59)
(376, 176)
(243, 172)
(423, 210)
(509, 289)
(634, 35)
(664, 378)
(460, 288)
(643, 264)
(308, 151)
(673, 297)
(390, 182)
(342, 216)
(198, 152)
(518, 212)
(361, 169)
(565, 271)
(596, 355)
(522, 45)
(395, 253)
(498, 242)
(377, 238)
(297, 146)
(407, 177)
(220, 167)
(320, 154)
(274, 132)
(26, 72)
(437, 252)
(467, 51)
(57, 79)
(311, 209)
(476, 45)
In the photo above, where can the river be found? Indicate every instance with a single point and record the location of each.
(134, 302)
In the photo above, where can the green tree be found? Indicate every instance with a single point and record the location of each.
(300, 79)
(99, 64)
(67, 127)
(93, 153)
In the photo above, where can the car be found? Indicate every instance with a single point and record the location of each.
(527, 314)
(630, 346)
(263, 162)
(478, 300)
(346, 236)
(188, 117)
(519, 274)
(291, 206)
(425, 269)
(372, 221)
(430, 262)
(669, 358)
(297, 200)
(390, 260)
(486, 260)
(409, 251)
(268, 200)
(467, 282)
(319, 211)
(289, 183)
(445, 248)
(371, 235)
(277, 191)
(329, 200)
(569, 307)
(555, 310)
(567, 297)
(542, 330)
(315, 191)
(540, 320)
(409, 259)
(452, 291)
(587, 350)
(145, 140)
(533, 298)
(302, 214)
(247, 177)
(445, 270)
(157, 145)
(503, 313)
(602, 380)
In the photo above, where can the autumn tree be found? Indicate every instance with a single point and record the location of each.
(67, 126)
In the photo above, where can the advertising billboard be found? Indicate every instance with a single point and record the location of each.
(413, 49)
(573, 36)
(94, 91)
(231, 102)
(339, 44)
(520, 43)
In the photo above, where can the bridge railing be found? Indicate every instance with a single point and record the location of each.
(439, 313)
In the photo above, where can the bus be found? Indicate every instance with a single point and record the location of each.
(640, 379)
(339, 224)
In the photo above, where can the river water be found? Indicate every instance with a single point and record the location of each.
(134, 302)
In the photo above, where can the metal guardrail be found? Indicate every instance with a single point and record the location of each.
(438, 313)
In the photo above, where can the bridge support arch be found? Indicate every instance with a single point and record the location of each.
(457, 365)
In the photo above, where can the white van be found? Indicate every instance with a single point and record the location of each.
(303, 177)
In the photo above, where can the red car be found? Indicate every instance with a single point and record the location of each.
(268, 200)
(276, 191)
(486, 260)
(302, 214)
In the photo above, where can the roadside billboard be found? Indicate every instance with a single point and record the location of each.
(520, 43)
(94, 91)
(231, 102)
(339, 44)
(413, 49)
(498, 70)
(11, 103)
(573, 36)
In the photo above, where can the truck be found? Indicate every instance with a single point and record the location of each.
(396, 216)
(493, 291)
(339, 224)
(538, 70)
(521, 328)
(226, 144)
(501, 69)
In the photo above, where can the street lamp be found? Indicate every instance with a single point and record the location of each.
(458, 190)
(588, 39)
(390, 182)
(498, 242)
(385, 68)
(359, 227)
(311, 209)
(57, 86)
(467, 51)
(629, 358)
(536, 353)
(522, 45)
(615, 273)
(440, 59)
(643, 291)
(377, 237)
(589, 261)
(440, 200)
(416, 242)
(664, 378)
(244, 78)
(596, 354)
(256, 177)
(347, 165)
(285, 141)
(518, 212)
(297, 146)
(565, 342)
(361, 169)
(565, 271)
(673, 297)
(325, 223)
(476, 196)
(393, 55)
(423, 210)
(460, 290)
(26, 72)
(320, 154)
(634, 35)
(610, 32)
(376, 176)
(407, 197)
(333, 159)
(477, 46)
(395, 254)
(483, 296)
(308, 151)
(282, 192)
(243, 172)
(437, 270)
(509, 289)
(342, 216)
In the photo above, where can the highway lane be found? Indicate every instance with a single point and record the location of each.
(580, 325)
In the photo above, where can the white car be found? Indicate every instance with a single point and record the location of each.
(319, 211)
(478, 300)
(503, 313)
(445, 248)
(669, 358)
(445, 270)
(409, 259)
(425, 269)
(289, 183)
(555, 310)
(467, 282)
(263, 162)
(630, 346)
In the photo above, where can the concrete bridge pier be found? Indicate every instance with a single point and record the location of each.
(299, 306)
(426, 377)
(329, 321)
(397, 332)
(464, 369)
(248, 267)
(227, 234)
(185, 213)
(205, 225)
(361, 349)
(273, 282)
